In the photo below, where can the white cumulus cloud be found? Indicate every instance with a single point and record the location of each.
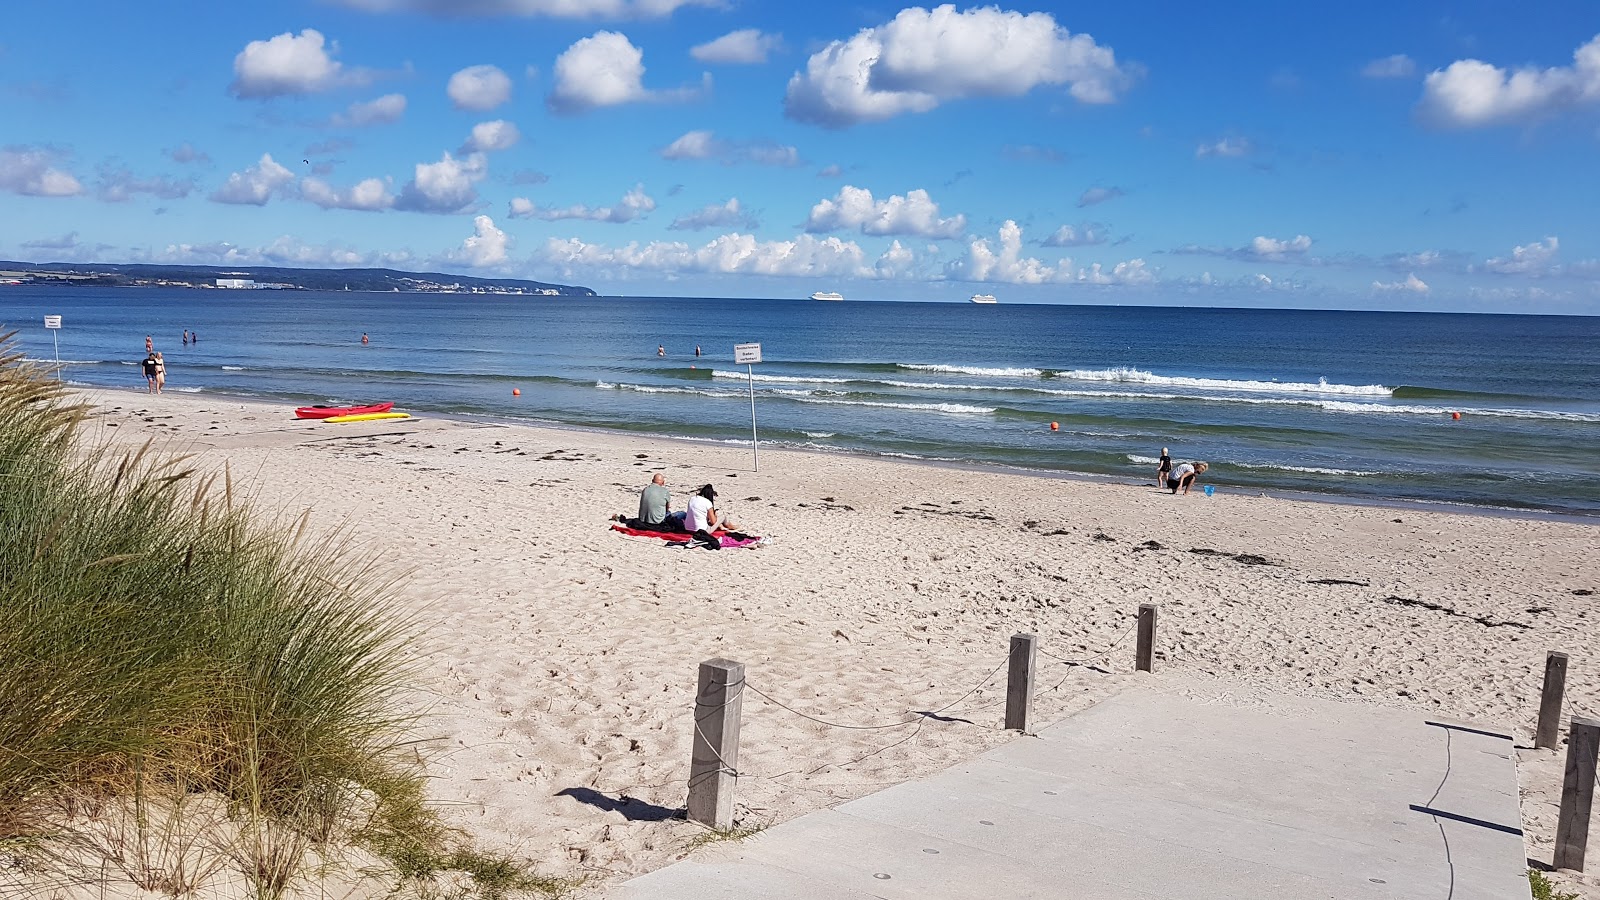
(923, 58)
(706, 145)
(492, 136)
(32, 172)
(1275, 249)
(715, 215)
(556, 9)
(1396, 66)
(633, 204)
(606, 69)
(286, 64)
(1537, 258)
(745, 46)
(1471, 93)
(486, 247)
(1076, 236)
(1005, 263)
(447, 186)
(381, 111)
(479, 88)
(1227, 148)
(1412, 285)
(734, 253)
(913, 214)
(370, 195)
(254, 186)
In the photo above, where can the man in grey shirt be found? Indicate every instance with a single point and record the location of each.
(654, 503)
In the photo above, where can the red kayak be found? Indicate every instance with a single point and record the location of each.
(327, 412)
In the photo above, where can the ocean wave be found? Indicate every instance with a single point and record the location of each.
(664, 389)
(235, 369)
(186, 390)
(795, 379)
(1139, 376)
(819, 435)
(65, 362)
(973, 370)
(951, 408)
(1310, 470)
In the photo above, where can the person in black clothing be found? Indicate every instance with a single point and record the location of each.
(150, 367)
(1164, 468)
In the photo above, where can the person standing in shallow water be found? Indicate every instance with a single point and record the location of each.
(661, 349)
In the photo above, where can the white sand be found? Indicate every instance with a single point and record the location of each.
(560, 657)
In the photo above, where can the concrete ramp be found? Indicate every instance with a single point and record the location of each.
(1173, 793)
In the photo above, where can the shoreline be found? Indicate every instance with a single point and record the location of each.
(1389, 503)
(558, 657)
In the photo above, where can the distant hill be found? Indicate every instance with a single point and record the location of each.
(281, 278)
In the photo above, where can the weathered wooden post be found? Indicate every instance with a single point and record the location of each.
(1019, 682)
(1577, 793)
(1555, 688)
(1145, 655)
(715, 758)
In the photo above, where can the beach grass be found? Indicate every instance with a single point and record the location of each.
(160, 642)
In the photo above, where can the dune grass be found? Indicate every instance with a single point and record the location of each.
(160, 641)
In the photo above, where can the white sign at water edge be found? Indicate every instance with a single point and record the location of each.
(54, 324)
(748, 355)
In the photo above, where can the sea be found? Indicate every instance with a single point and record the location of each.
(1497, 412)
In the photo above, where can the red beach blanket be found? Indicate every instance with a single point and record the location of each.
(678, 537)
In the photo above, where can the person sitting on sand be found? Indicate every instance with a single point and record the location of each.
(655, 509)
(1184, 476)
(1163, 468)
(702, 513)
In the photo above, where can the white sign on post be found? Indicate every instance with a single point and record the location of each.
(748, 355)
(54, 324)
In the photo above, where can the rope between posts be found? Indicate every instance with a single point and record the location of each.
(921, 717)
(1098, 656)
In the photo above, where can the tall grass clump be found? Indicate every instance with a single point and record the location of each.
(158, 641)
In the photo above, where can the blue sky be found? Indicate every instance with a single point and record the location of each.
(1421, 155)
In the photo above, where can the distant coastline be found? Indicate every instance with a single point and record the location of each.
(273, 278)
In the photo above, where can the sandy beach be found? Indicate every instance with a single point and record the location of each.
(558, 658)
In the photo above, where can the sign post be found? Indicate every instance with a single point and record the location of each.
(54, 324)
(748, 355)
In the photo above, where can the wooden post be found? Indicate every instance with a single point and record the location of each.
(1577, 793)
(1145, 655)
(1555, 688)
(714, 760)
(1019, 683)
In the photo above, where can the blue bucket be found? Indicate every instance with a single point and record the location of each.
(1210, 489)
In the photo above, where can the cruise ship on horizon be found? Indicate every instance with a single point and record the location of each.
(827, 295)
(984, 298)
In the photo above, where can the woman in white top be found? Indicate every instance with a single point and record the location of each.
(702, 515)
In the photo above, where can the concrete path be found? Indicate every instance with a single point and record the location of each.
(1163, 791)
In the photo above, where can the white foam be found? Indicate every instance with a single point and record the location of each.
(794, 379)
(819, 435)
(973, 370)
(1311, 470)
(1138, 376)
(951, 408)
(234, 369)
(1143, 460)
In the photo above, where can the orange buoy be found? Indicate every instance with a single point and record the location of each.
(1455, 416)
(516, 392)
(1054, 426)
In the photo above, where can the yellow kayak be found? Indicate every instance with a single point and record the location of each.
(368, 417)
